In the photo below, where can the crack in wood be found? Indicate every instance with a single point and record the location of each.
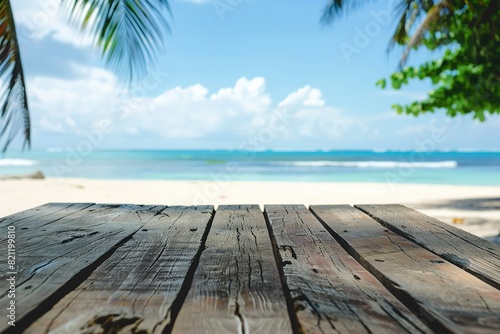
(439, 318)
(43, 211)
(441, 239)
(62, 291)
(360, 320)
(396, 311)
(331, 280)
(34, 271)
(179, 300)
(302, 302)
(78, 236)
(237, 287)
(259, 262)
(240, 317)
(249, 276)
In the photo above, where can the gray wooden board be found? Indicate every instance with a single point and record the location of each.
(476, 255)
(134, 290)
(39, 229)
(447, 298)
(38, 211)
(236, 287)
(49, 260)
(38, 216)
(330, 290)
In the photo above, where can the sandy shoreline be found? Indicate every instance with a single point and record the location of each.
(477, 206)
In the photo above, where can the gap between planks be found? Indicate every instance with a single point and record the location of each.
(454, 301)
(48, 274)
(469, 252)
(329, 290)
(142, 285)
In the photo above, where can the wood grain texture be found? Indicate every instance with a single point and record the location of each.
(331, 292)
(134, 290)
(38, 211)
(54, 256)
(40, 215)
(449, 299)
(236, 287)
(471, 253)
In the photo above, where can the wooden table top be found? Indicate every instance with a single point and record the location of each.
(96, 268)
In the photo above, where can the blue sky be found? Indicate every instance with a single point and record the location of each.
(251, 74)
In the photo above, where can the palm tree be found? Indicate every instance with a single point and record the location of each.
(432, 15)
(128, 34)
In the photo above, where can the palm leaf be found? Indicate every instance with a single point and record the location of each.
(128, 33)
(406, 11)
(335, 8)
(14, 112)
(432, 16)
(408, 14)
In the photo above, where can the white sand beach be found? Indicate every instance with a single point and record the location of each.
(476, 209)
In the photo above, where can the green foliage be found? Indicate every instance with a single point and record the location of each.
(14, 111)
(408, 13)
(466, 79)
(128, 33)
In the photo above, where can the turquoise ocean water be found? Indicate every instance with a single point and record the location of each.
(450, 167)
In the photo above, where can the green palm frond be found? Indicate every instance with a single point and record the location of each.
(14, 112)
(406, 12)
(128, 33)
(432, 16)
(336, 8)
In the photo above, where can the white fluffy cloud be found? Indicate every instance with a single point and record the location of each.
(40, 19)
(242, 115)
(306, 96)
(234, 113)
(70, 106)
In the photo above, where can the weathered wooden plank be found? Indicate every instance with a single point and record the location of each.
(41, 213)
(331, 292)
(36, 211)
(30, 227)
(449, 299)
(469, 252)
(236, 287)
(51, 258)
(134, 290)
(76, 215)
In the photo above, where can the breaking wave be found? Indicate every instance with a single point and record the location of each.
(17, 162)
(371, 164)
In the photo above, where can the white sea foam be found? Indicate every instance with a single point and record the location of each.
(54, 149)
(371, 164)
(478, 150)
(17, 162)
